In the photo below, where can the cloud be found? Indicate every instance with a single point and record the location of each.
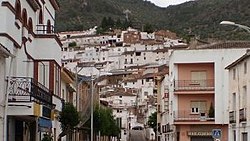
(165, 3)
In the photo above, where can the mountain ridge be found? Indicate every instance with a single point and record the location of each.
(200, 18)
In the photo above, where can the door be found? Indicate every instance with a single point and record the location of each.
(202, 139)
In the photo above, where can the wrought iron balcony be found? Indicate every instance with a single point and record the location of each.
(232, 117)
(194, 84)
(242, 116)
(187, 115)
(24, 89)
(45, 29)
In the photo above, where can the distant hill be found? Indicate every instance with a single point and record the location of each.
(200, 17)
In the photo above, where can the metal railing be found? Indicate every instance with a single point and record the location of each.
(24, 89)
(45, 29)
(242, 114)
(187, 115)
(194, 84)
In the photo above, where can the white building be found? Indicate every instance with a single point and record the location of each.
(33, 88)
(239, 85)
(123, 105)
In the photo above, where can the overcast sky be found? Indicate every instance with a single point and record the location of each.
(165, 3)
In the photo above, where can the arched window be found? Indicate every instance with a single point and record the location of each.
(48, 26)
(24, 17)
(40, 17)
(30, 25)
(18, 9)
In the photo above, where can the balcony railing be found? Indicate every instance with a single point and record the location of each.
(186, 115)
(45, 29)
(23, 89)
(194, 84)
(242, 116)
(232, 117)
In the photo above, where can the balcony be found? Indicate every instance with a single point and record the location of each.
(194, 84)
(242, 115)
(24, 89)
(232, 117)
(186, 115)
(45, 29)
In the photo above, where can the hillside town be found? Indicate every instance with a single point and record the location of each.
(63, 86)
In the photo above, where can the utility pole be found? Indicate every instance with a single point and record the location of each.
(92, 109)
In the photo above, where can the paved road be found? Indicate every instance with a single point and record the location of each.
(137, 135)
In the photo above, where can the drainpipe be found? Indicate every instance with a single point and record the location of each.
(6, 101)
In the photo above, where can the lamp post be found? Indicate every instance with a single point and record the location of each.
(235, 24)
(92, 109)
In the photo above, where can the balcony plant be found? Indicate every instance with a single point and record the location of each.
(211, 111)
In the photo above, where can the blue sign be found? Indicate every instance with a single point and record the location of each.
(216, 133)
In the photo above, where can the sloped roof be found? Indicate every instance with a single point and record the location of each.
(226, 45)
(242, 58)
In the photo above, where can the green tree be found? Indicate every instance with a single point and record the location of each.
(211, 111)
(111, 22)
(69, 118)
(152, 121)
(118, 23)
(148, 28)
(104, 23)
(104, 122)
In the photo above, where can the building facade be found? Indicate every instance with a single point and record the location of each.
(238, 98)
(198, 92)
(33, 81)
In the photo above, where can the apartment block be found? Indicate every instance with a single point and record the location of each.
(239, 85)
(198, 92)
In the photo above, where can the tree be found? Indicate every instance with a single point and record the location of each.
(148, 28)
(104, 122)
(152, 121)
(211, 111)
(69, 118)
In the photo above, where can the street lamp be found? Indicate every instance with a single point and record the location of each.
(82, 65)
(235, 24)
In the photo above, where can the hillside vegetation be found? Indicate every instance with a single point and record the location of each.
(200, 17)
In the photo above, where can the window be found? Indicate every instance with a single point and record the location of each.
(198, 78)
(198, 107)
(126, 61)
(234, 102)
(131, 61)
(245, 67)
(244, 97)
(234, 74)
(30, 25)
(57, 80)
(49, 30)
(198, 75)
(24, 17)
(18, 10)
(244, 136)
(40, 17)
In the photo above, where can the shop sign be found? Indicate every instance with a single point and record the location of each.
(199, 133)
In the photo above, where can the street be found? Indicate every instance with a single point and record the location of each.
(137, 135)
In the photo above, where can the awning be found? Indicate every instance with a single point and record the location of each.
(44, 125)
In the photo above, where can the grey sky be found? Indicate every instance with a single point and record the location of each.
(165, 3)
